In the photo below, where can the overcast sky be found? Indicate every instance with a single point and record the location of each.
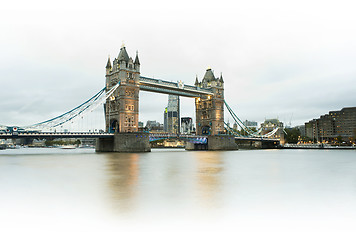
(294, 60)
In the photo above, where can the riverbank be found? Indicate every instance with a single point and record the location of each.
(317, 146)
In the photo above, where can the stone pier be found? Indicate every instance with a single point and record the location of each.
(124, 142)
(215, 143)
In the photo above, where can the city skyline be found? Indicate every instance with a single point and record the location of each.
(294, 62)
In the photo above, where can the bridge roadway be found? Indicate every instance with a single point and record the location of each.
(179, 88)
(153, 136)
(43, 135)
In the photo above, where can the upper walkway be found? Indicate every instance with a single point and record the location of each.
(179, 88)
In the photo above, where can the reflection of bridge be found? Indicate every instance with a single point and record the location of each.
(120, 97)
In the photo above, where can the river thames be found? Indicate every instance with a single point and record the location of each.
(174, 194)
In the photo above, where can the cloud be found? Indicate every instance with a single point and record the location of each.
(277, 58)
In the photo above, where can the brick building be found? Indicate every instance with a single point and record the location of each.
(333, 126)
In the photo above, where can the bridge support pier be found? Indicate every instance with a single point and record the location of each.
(222, 142)
(124, 142)
(257, 144)
(215, 143)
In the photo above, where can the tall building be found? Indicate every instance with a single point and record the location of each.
(250, 124)
(186, 125)
(332, 126)
(154, 126)
(172, 115)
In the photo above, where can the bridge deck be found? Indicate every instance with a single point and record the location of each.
(50, 135)
(44, 135)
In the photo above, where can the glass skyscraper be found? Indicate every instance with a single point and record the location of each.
(172, 115)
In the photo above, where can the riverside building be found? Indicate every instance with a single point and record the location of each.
(250, 124)
(332, 127)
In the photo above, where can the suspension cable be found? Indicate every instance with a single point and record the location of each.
(231, 130)
(248, 130)
(80, 110)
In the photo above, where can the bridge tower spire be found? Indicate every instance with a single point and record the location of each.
(108, 66)
(137, 62)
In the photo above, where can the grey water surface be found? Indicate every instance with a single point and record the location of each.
(296, 189)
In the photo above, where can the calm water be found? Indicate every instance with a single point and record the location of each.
(260, 194)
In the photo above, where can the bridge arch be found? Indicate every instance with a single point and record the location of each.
(114, 126)
(206, 130)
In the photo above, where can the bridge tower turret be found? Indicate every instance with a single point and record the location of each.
(210, 110)
(108, 66)
(121, 108)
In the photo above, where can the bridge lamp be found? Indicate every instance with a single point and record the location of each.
(112, 98)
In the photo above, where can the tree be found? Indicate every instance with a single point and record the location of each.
(49, 143)
(245, 133)
(306, 139)
(292, 135)
(339, 139)
(77, 142)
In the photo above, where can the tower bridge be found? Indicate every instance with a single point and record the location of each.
(122, 108)
(120, 97)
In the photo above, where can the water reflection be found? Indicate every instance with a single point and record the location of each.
(167, 180)
(270, 190)
(208, 177)
(123, 172)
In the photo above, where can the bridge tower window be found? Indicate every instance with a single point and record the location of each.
(129, 75)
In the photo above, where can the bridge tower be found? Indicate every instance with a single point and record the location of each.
(210, 110)
(121, 109)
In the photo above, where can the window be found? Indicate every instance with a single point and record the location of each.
(129, 75)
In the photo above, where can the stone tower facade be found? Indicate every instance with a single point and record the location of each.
(210, 110)
(122, 107)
